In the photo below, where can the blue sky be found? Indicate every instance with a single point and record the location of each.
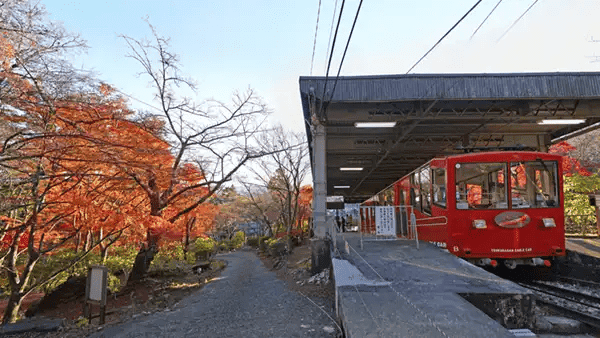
(228, 45)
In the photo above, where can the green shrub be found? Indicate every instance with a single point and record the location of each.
(271, 242)
(49, 264)
(121, 258)
(262, 243)
(253, 242)
(168, 258)
(118, 258)
(276, 246)
(204, 248)
(205, 244)
(238, 240)
(224, 245)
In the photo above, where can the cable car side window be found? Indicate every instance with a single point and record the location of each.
(439, 187)
(415, 194)
(534, 184)
(425, 180)
(481, 186)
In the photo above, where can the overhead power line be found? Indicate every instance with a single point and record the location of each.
(442, 38)
(484, 20)
(331, 30)
(345, 50)
(514, 23)
(312, 60)
(331, 55)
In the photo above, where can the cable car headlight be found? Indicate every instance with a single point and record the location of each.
(549, 222)
(479, 224)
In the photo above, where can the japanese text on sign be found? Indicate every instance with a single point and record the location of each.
(385, 221)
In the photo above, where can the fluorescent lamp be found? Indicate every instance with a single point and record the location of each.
(351, 168)
(341, 186)
(562, 121)
(375, 124)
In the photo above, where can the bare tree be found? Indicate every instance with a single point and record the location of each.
(35, 49)
(283, 172)
(261, 207)
(220, 138)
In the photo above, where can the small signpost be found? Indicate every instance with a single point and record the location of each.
(95, 291)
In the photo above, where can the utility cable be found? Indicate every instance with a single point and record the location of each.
(514, 23)
(331, 31)
(484, 20)
(345, 50)
(315, 43)
(442, 38)
(331, 57)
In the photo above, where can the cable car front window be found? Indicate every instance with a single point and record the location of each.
(534, 184)
(481, 186)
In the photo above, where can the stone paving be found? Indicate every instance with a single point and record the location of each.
(246, 301)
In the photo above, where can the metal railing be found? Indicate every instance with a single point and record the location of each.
(404, 219)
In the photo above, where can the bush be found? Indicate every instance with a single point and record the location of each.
(204, 248)
(238, 240)
(119, 258)
(263, 244)
(276, 246)
(253, 242)
(168, 258)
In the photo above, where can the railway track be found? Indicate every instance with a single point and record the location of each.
(578, 281)
(581, 306)
(582, 298)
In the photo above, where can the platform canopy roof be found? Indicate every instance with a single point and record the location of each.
(438, 114)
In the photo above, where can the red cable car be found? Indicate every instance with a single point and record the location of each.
(498, 207)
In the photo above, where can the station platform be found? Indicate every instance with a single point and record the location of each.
(392, 289)
(586, 246)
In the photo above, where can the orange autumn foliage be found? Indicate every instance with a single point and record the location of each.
(89, 150)
(570, 165)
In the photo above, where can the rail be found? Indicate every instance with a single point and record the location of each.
(398, 221)
(414, 224)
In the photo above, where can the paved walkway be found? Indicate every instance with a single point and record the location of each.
(247, 301)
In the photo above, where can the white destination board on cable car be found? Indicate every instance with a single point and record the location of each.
(385, 221)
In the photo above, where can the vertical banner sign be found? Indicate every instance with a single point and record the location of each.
(385, 221)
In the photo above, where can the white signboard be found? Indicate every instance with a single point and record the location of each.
(385, 221)
(96, 284)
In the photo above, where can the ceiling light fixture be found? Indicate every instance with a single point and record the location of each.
(563, 121)
(341, 186)
(351, 168)
(375, 124)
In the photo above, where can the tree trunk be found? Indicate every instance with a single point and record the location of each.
(290, 244)
(144, 258)
(88, 241)
(77, 242)
(12, 308)
(188, 229)
(103, 254)
(103, 247)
